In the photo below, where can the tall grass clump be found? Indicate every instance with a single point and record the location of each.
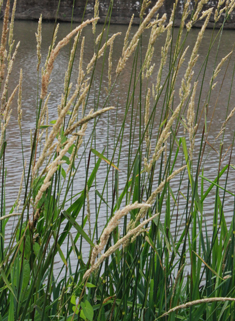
(137, 227)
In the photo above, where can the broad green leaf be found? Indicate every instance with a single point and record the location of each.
(36, 248)
(76, 309)
(65, 158)
(87, 310)
(90, 285)
(73, 300)
(26, 274)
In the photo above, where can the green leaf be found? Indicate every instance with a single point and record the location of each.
(73, 300)
(45, 126)
(90, 285)
(26, 274)
(4, 145)
(77, 205)
(78, 228)
(11, 309)
(7, 283)
(217, 185)
(36, 248)
(26, 246)
(61, 255)
(103, 158)
(65, 158)
(76, 309)
(87, 310)
(101, 197)
(63, 172)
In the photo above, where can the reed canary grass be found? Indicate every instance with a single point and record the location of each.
(156, 30)
(9, 71)
(196, 302)
(133, 43)
(225, 123)
(219, 66)
(82, 98)
(184, 17)
(39, 41)
(70, 64)
(19, 100)
(200, 5)
(40, 136)
(176, 281)
(3, 128)
(87, 118)
(146, 121)
(44, 110)
(120, 242)
(101, 52)
(4, 40)
(88, 211)
(218, 12)
(98, 38)
(185, 84)
(79, 134)
(53, 167)
(7, 115)
(127, 35)
(158, 190)
(164, 52)
(9, 103)
(52, 148)
(149, 71)
(143, 230)
(55, 130)
(155, 157)
(11, 28)
(96, 14)
(52, 45)
(113, 223)
(231, 7)
(190, 121)
(165, 134)
(180, 62)
(144, 7)
(110, 64)
(21, 183)
(81, 73)
(165, 154)
(148, 276)
(54, 53)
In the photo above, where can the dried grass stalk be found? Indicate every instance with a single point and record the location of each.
(54, 53)
(120, 242)
(113, 223)
(189, 304)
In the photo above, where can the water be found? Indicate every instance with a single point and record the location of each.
(107, 127)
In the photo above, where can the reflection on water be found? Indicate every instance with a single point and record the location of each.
(109, 124)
